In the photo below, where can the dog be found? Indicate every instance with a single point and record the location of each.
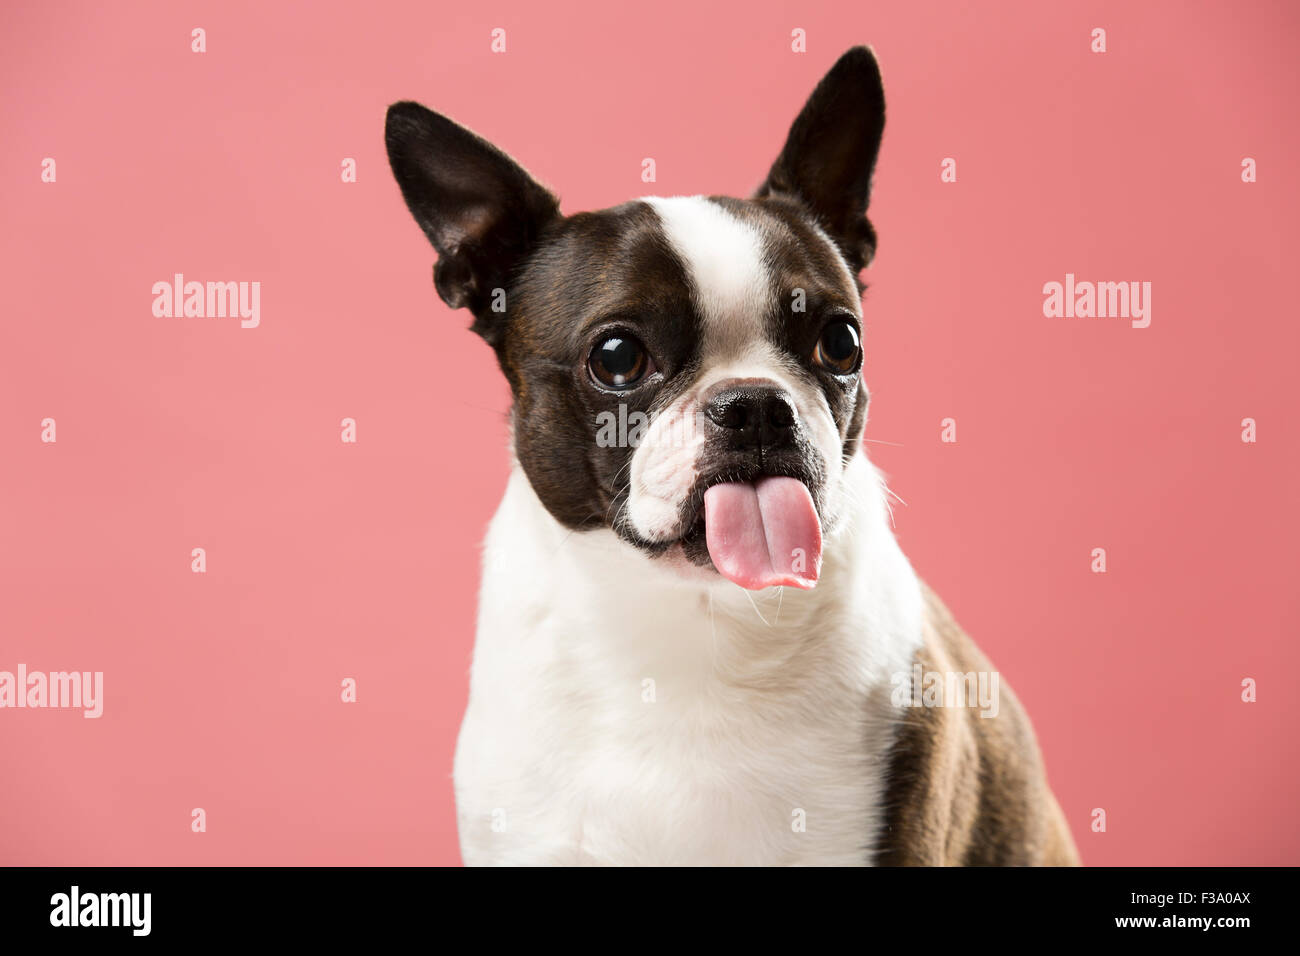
(698, 640)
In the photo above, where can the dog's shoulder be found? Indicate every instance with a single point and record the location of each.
(966, 789)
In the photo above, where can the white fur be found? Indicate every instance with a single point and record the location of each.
(764, 705)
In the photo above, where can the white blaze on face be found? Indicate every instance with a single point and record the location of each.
(725, 257)
(734, 288)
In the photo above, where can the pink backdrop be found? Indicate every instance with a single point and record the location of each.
(328, 560)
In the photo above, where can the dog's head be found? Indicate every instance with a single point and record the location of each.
(685, 371)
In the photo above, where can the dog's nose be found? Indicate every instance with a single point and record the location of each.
(755, 414)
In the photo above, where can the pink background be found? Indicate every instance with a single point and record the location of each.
(328, 560)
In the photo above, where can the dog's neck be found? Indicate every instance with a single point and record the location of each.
(618, 608)
(609, 695)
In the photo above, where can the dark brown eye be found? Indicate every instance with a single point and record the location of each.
(619, 360)
(839, 348)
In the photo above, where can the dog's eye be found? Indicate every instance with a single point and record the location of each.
(619, 361)
(839, 348)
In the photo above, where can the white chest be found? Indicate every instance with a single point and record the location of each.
(619, 716)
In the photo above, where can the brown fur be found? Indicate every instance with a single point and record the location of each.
(967, 790)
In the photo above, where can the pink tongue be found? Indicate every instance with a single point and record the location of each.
(764, 533)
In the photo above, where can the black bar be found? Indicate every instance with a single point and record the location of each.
(984, 907)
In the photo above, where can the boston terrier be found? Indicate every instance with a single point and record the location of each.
(698, 640)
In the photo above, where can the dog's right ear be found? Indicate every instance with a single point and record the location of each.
(830, 154)
(479, 208)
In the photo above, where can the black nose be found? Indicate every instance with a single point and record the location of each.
(754, 415)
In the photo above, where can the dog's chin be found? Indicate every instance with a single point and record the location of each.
(675, 562)
(694, 544)
(687, 552)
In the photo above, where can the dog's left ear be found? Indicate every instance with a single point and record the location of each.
(830, 153)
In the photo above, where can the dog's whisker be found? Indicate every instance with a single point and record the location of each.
(749, 594)
(571, 533)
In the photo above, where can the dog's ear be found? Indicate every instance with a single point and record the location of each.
(830, 153)
(479, 208)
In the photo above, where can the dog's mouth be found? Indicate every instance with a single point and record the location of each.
(757, 530)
